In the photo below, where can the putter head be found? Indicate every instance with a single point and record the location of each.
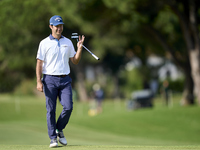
(74, 36)
(74, 33)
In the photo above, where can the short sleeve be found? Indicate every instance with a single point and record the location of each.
(41, 53)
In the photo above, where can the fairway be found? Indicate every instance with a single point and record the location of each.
(101, 147)
(23, 126)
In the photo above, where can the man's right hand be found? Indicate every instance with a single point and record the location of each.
(40, 86)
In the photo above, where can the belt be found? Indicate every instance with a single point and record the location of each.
(60, 76)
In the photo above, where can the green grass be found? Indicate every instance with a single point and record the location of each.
(23, 126)
(101, 147)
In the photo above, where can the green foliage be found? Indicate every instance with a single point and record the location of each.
(168, 25)
(23, 25)
(130, 81)
(8, 83)
(176, 85)
(26, 87)
(113, 28)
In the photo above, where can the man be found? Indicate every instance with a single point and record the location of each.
(53, 57)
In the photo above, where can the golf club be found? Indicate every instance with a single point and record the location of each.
(75, 36)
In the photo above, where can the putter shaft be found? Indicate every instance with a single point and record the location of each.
(97, 58)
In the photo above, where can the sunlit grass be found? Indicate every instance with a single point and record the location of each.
(23, 123)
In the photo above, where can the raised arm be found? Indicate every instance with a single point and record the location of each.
(75, 60)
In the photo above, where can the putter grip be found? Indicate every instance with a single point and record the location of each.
(95, 57)
(91, 53)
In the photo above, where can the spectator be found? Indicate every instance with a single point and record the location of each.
(165, 91)
(99, 96)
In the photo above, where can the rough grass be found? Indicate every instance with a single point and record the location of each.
(23, 126)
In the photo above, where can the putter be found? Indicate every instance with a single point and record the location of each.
(75, 36)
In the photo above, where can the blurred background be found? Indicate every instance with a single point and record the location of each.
(148, 50)
(139, 43)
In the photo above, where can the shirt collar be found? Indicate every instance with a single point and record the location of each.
(51, 37)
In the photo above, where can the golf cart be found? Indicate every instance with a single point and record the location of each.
(140, 99)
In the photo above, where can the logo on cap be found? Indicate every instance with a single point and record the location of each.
(58, 19)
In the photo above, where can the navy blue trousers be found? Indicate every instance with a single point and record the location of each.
(57, 87)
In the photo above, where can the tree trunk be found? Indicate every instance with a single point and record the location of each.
(194, 52)
(191, 36)
(194, 60)
(81, 89)
(188, 96)
(116, 92)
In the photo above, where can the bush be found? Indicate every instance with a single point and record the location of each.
(27, 87)
(175, 85)
(130, 81)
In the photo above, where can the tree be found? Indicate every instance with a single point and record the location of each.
(21, 29)
(188, 18)
(112, 28)
(185, 42)
(169, 24)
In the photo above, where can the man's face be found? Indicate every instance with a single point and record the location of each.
(57, 30)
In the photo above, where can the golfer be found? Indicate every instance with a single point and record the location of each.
(53, 57)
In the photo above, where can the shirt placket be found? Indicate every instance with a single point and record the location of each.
(58, 51)
(58, 43)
